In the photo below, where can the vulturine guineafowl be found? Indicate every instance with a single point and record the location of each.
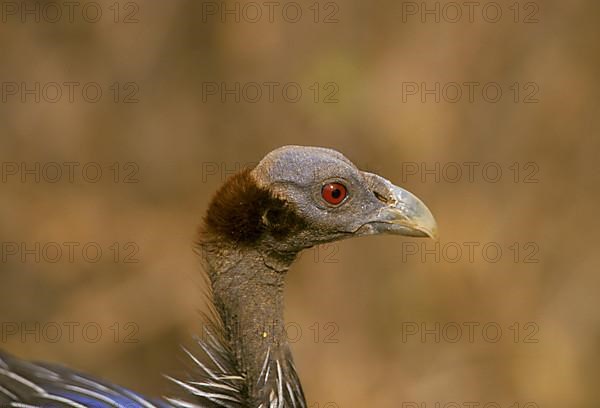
(257, 223)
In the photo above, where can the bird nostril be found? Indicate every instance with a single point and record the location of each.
(381, 197)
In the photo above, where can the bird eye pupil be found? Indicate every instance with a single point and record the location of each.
(336, 193)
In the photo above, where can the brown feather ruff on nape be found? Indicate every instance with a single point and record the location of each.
(242, 212)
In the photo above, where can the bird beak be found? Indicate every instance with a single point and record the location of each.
(408, 215)
(403, 213)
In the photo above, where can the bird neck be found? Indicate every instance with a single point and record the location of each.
(247, 286)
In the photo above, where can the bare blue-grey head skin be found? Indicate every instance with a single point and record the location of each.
(255, 226)
(247, 275)
(373, 206)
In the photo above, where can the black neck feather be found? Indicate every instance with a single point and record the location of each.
(244, 213)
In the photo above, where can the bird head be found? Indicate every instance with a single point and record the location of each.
(300, 196)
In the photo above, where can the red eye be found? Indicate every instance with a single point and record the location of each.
(334, 193)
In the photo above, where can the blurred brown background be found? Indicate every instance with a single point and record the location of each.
(176, 140)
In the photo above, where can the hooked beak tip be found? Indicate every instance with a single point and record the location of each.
(430, 231)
